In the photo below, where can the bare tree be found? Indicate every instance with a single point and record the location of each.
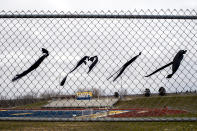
(81, 90)
(147, 92)
(3, 97)
(50, 94)
(96, 92)
(162, 91)
(123, 92)
(116, 94)
(29, 95)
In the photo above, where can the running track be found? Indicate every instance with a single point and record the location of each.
(91, 113)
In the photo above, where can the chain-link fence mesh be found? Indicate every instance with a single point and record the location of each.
(115, 40)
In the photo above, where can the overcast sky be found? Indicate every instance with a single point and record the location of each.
(114, 41)
(90, 5)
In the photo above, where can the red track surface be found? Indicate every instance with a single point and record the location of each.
(149, 112)
(132, 112)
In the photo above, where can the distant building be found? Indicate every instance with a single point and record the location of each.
(64, 97)
(84, 95)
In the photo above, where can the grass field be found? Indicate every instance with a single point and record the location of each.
(186, 102)
(183, 102)
(37, 105)
(100, 126)
(180, 102)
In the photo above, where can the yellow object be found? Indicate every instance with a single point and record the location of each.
(102, 114)
(18, 114)
(116, 112)
(82, 94)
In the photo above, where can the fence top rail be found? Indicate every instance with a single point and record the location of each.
(191, 17)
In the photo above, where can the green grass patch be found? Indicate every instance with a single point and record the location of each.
(36, 105)
(98, 126)
(181, 102)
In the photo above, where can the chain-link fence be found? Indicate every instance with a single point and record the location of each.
(96, 66)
